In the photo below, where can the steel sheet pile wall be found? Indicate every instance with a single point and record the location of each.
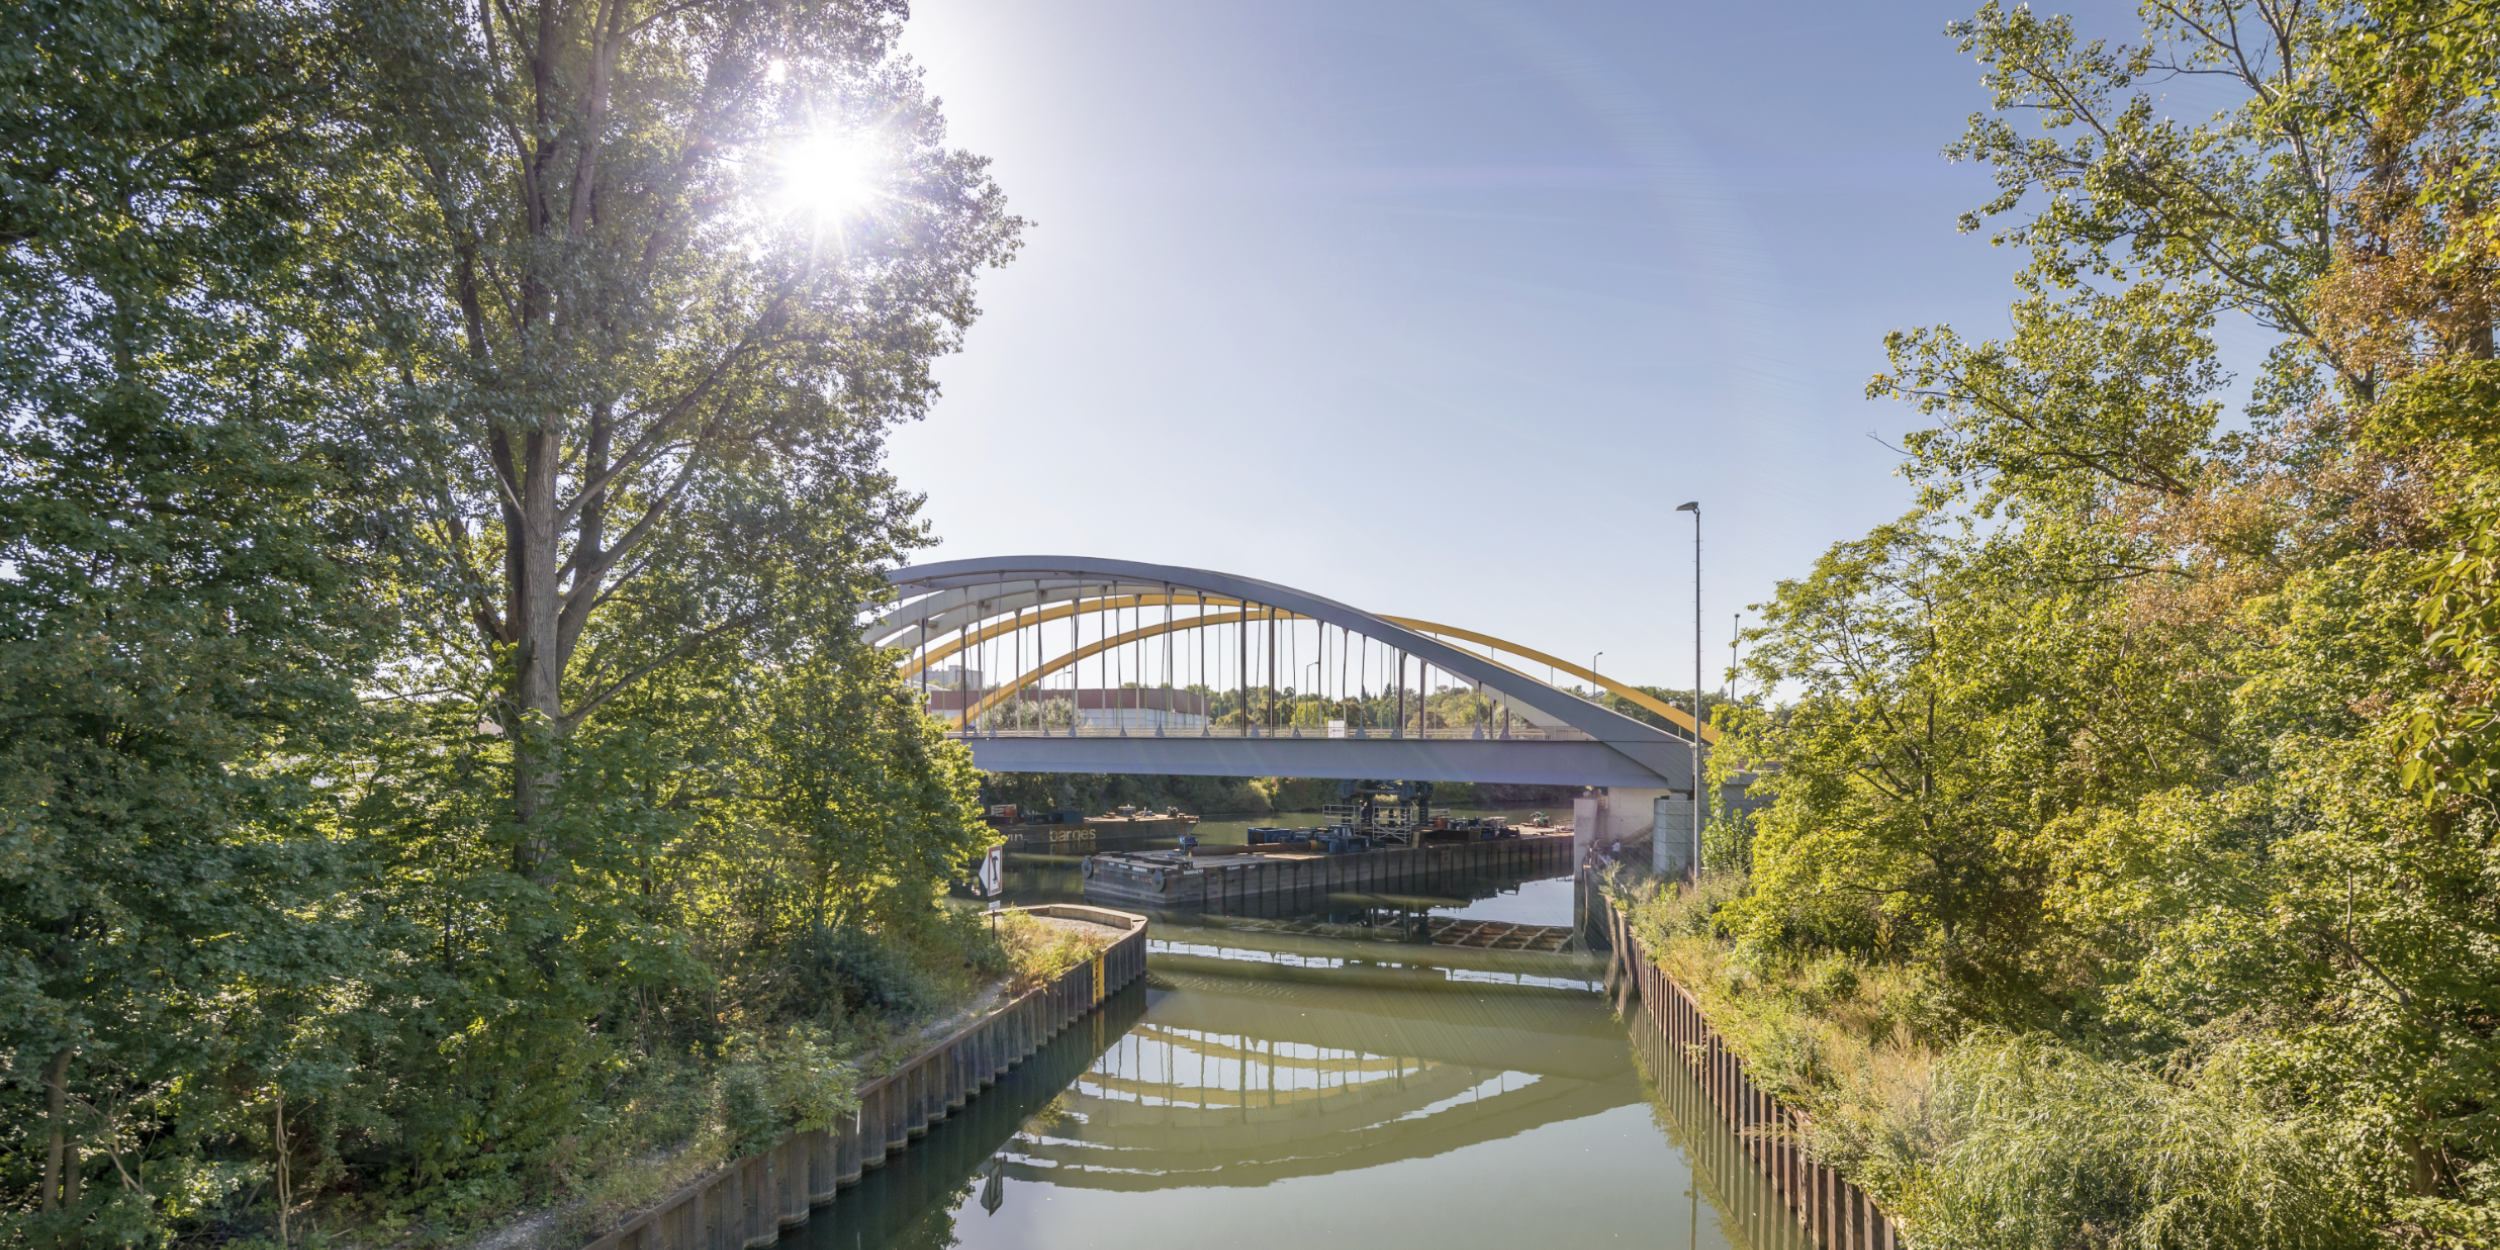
(749, 1202)
(1833, 1209)
(1752, 1212)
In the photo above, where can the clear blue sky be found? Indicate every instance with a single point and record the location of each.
(1440, 308)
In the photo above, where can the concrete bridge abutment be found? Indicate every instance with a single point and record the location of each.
(1630, 815)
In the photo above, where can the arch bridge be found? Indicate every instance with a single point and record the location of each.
(1085, 665)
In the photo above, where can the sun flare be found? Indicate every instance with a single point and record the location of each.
(833, 176)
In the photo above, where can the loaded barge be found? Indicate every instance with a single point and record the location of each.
(1264, 875)
(1062, 830)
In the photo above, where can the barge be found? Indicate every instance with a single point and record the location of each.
(1266, 877)
(1074, 831)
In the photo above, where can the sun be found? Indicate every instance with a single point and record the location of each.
(834, 176)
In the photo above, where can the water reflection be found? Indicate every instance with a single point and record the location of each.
(914, 1201)
(1265, 1090)
(1750, 1211)
(1247, 1080)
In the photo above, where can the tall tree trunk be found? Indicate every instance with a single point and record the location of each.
(286, 1179)
(538, 662)
(55, 1105)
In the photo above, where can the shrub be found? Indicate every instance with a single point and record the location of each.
(2025, 1142)
(859, 972)
(749, 1121)
(1042, 950)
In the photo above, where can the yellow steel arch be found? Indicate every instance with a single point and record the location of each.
(911, 665)
(1681, 718)
(1631, 694)
(1091, 649)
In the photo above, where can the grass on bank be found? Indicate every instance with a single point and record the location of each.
(1977, 1138)
(1041, 948)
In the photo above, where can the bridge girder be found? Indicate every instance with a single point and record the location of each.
(1520, 761)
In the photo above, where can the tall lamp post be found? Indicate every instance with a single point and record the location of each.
(1694, 507)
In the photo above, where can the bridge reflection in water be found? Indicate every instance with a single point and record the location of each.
(1239, 1100)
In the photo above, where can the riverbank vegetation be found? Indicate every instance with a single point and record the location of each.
(440, 478)
(1040, 949)
(2131, 874)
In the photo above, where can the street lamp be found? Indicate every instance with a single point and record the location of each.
(1694, 507)
(1593, 674)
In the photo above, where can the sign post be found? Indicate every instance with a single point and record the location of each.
(994, 872)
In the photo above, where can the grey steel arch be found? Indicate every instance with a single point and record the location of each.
(1617, 750)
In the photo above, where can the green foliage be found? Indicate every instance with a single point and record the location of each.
(2153, 751)
(2022, 1143)
(312, 865)
(2094, 392)
(853, 972)
(1041, 950)
(1958, 705)
(183, 615)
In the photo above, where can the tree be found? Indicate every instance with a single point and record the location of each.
(670, 270)
(2200, 704)
(438, 462)
(183, 615)
(1961, 703)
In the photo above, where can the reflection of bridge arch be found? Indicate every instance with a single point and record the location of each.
(1218, 1087)
(1246, 640)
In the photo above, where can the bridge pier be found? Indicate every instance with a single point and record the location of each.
(1630, 815)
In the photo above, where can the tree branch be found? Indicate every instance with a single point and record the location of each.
(684, 647)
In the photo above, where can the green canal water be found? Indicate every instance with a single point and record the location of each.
(1273, 1083)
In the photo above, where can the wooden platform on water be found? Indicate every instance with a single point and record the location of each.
(1497, 935)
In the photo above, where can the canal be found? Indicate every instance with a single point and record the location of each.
(1305, 1081)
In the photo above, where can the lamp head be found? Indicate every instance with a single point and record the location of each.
(1694, 506)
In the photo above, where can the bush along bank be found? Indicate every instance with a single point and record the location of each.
(1981, 1136)
(890, 1010)
(749, 1202)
